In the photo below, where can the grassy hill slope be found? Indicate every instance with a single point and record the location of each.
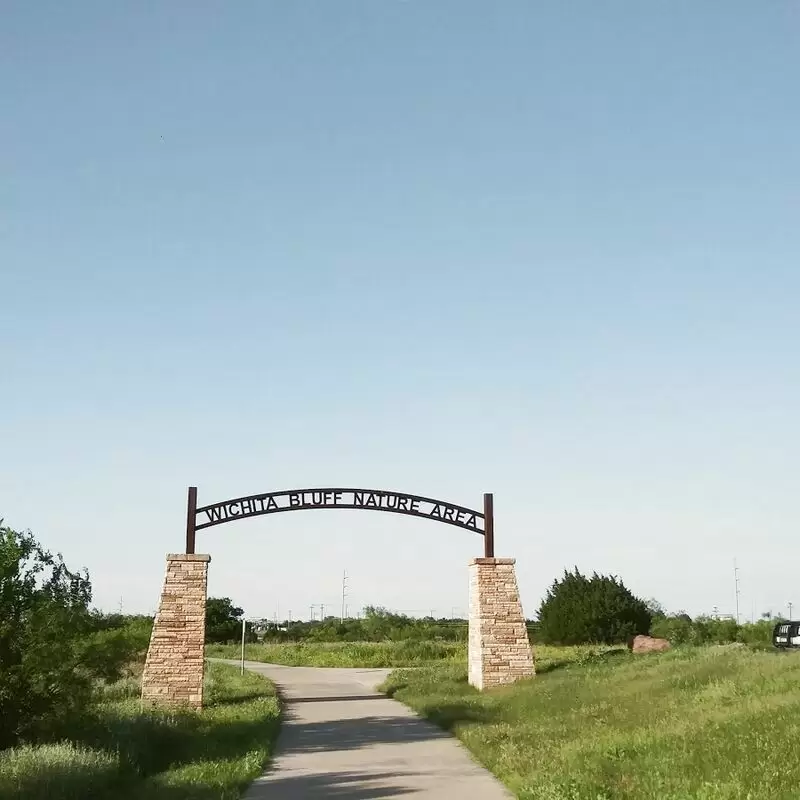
(707, 723)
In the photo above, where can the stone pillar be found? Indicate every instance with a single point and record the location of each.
(173, 671)
(499, 650)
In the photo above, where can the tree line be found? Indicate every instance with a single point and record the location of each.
(577, 609)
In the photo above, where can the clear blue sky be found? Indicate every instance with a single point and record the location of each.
(548, 250)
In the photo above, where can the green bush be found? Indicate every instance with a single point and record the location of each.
(677, 628)
(757, 634)
(53, 649)
(136, 628)
(107, 653)
(682, 629)
(43, 615)
(596, 610)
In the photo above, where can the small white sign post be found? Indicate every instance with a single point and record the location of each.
(244, 627)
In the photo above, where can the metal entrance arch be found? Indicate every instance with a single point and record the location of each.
(256, 505)
(498, 649)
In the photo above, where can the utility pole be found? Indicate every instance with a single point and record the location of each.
(322, 612)
(311, 607)
(736, 585)
(790, 611)
(344, 592)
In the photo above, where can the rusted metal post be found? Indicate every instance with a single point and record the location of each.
(191, 514)
(488, 526)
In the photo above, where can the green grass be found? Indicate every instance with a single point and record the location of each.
(405, 653)
(702, 724)
(119, 751)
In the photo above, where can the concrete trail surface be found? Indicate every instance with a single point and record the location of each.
(341, 739)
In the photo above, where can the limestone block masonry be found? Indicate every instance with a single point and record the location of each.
(173, 671)
(499, 649)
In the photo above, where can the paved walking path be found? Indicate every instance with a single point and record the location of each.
(342, 739)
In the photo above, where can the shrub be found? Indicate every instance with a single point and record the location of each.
(677, 628)
(682, 629)
(53, 649)
(135, 627)
(43, 613)
(106, 654)
(757, 634)
(596, 610)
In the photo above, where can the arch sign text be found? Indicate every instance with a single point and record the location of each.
(255, 505)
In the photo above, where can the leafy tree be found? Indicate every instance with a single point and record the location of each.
(657, 611)
(44, 615)
(223, 620)
(115, 643)
(599, 609)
